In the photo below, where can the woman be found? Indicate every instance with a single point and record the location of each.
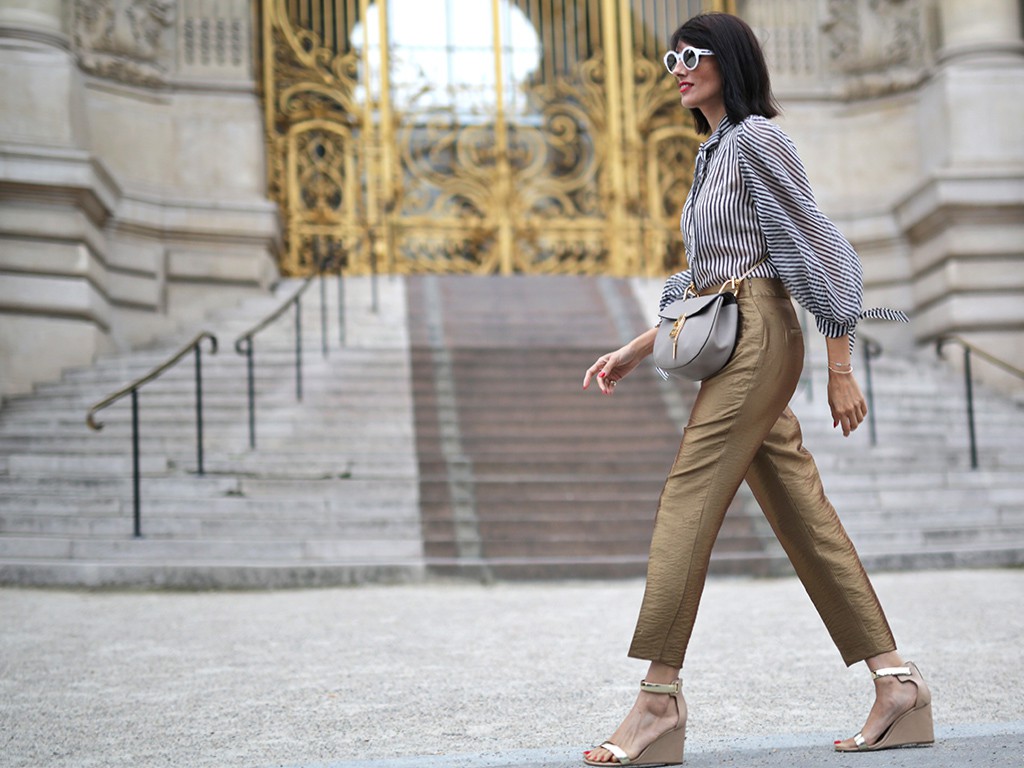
(751, 209)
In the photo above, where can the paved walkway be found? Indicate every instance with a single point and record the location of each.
(461, 675)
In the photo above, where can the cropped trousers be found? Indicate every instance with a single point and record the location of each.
(741, 428)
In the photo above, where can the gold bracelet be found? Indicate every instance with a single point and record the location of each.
(833, 370)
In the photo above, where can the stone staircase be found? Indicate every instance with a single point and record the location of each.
(329, 496)
(913, 500)
(450, 436)
(522, 474)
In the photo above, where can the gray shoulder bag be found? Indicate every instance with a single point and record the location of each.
(697, 335)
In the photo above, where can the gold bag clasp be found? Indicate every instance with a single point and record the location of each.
(677, 326)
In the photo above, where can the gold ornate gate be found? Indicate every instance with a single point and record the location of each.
(538, 136)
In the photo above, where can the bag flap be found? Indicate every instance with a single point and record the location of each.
(690, 307)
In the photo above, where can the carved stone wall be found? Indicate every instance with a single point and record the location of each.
(127, 40)
(878, 46)
(152, 43)
(846, 48)
(792, 45)
(907, 114)
(215, 38)
(132, 190)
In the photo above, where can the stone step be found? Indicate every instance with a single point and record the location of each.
(352, 506)
(76, 406)
(297, 489)
(117, 462)
(222, 574)
(190, 487)
(356, 465)
(559, 499)
(77, 464)
(182, 423)
(209, 527)
(207, 551)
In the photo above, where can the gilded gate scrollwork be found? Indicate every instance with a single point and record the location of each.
(586, 175)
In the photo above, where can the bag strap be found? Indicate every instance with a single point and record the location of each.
(735, 282)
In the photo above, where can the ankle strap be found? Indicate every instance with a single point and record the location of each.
(890, 672)
(670, 688)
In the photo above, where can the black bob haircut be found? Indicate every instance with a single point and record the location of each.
(746, 87)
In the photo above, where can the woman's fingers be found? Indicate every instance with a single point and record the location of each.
(592, 371)
(849, 408)
(601, 370)
(850, 417)
(610, 369)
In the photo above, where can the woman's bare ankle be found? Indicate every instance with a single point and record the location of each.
(883, 660)
(661, 673)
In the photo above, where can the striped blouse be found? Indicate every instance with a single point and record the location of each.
(751, 199)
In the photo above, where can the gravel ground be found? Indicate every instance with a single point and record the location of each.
(456, 674)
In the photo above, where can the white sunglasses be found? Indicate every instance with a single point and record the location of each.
(689, 56)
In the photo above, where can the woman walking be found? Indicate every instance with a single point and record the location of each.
(751, 212)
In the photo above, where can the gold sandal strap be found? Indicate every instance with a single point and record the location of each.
(889, 672)
(619, 752)
(670, 688)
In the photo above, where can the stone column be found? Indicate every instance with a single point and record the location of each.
(979, 26)
(131, 163)
(966, 221)
(55, 204)
(39, 17)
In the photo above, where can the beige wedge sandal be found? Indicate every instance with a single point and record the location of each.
(667, 749)
(912, 728)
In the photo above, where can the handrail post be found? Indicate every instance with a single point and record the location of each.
(321, 268)
(341, 306)
(136, 484)
(244, 345)
(969, 383)
(323, 315)
(199, 408)
(251, 375)
(869, 386)
(373, 270)
(298, 348)
(970, 407)
(805, 377)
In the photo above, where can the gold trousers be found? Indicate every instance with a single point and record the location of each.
(740, 428)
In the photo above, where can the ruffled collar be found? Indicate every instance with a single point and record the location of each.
(716, 136)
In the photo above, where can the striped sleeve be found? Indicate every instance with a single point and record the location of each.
(815, 262)
(675, 287)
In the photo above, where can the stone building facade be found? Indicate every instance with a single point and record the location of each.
(133, 184)
(131, 175)
(909, 115)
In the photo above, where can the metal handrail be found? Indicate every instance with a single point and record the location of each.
(332, 261)
(969, 348)
(872, 350)
(244, 346)
(269, 319)
(133, 389)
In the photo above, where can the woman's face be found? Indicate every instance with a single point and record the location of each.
(701, 87)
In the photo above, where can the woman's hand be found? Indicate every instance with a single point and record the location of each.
(846, 401)
(612, 368)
